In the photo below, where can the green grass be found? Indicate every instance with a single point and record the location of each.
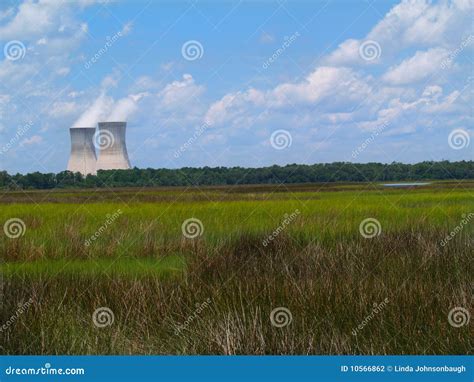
(154, 229)
(319, 266)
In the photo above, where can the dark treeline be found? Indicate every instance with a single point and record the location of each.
(292, 173)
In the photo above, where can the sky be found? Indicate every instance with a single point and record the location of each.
(235, 83)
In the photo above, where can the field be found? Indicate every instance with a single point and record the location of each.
(258, 270)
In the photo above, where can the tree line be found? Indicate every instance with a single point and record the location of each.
(292, 173)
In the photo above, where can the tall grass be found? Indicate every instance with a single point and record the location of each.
(215, 294)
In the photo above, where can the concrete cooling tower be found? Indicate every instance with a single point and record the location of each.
(110, 141)
(83, 158)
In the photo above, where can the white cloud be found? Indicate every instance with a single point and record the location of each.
(33, 140)
(341, 84)
(64, 71)
(412, 23)
(346, 53)
(12, 73)
(440, 23)
(110, 81)
(344, 96)
(50, 32)
(145, 83)
(174, 94)
(63, 109)
(422, 65)
(325, 86)
(32, 19)
(233, 105)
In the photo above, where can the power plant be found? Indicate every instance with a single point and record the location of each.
(113, 149)
(109, 140)
(82, 158)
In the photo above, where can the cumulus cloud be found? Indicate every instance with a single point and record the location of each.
(49, 31)
(345, 90)
(33, 19)
(344, 96)
(346, 53)
(174, 94)
(110, 81)
(50, 25)
(233, 105)
(329, 86)
(420, 66)
(410, 24)
(324, 82)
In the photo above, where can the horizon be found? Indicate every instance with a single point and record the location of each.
(268, 166)
(235, 85)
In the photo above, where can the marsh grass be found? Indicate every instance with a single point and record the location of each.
(319, 267)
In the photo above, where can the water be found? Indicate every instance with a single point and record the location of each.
(414, 184)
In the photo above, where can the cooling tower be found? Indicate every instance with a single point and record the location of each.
(111, 144)
(83, 158)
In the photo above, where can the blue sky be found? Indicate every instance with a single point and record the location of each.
(262, 83)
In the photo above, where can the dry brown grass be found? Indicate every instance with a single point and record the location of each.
(329, 290)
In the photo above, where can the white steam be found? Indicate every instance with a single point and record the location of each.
(105, 109)
(125, 107)
(96, 112)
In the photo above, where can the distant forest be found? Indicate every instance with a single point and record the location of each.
(292, 173)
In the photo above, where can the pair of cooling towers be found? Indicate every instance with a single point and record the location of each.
(109, 140)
